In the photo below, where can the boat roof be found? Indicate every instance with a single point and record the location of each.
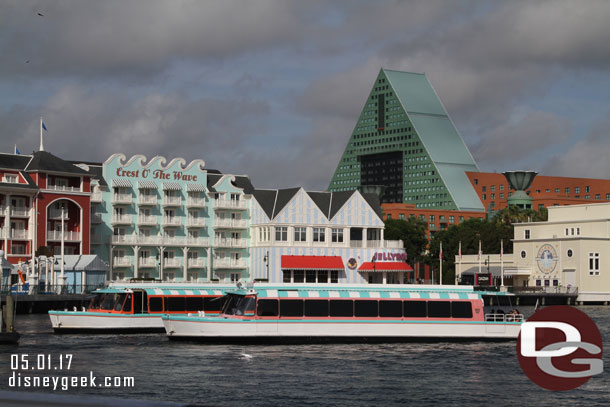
(111, 290)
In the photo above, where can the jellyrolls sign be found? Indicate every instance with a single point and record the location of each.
(560, 348)
(386, 256)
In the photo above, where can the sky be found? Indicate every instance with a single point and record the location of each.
(273, 89)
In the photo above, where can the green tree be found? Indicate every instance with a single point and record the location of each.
(413, 234)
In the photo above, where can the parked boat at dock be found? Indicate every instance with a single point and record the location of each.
(356, 313)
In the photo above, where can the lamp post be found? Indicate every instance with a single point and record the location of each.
(266, 260)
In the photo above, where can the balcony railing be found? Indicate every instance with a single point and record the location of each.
(19, 234)
(386, 244)
(148, 262)
(147, 220)
(230, 223)
(230, 204)
(195, 202)
(56, 214)
(96, 197)
(171, 221)
(172, 201)
(160, 240)
(55, 235)
(195, 222)
(121, 261)
(147, 200)
(124, 219)
(230, 264)
(20, 211)
(196, 263)
(121, 198)
(63, 188)
(172, 263)
(230, 243)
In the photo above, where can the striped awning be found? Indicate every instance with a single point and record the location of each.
(195, 188)
(312, 263)
(171, 186)
(378, 266)
(121, 182)
(147, 185)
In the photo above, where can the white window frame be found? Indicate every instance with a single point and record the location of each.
(594, 260)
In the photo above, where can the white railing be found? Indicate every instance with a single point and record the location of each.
(96, 218)
(63, 188)
(96, 239)
(147, 220)
(230, 264)
(230, 243)
(195, 222)
(230, 223)
(148, 262)
(172, 200)
(172, 263)
(171, 221)
(147, 199)
(504, 317)
(96, 197)
(121, 218)
(19, 234)
(230, 204)
(4, 210)
(55, 235)
(56, 214)
(20, 211)
(121, 198)
(394, 244)
(160, 240)
(192, 263)
(193, 201)
(386, 244)
(121, 261)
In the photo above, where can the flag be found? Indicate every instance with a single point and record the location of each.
(17, 151)
(44, 127)
(501, 249)
(479, 251)
(460, 251)
(440, 254)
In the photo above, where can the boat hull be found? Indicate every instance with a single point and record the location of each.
(94, 322)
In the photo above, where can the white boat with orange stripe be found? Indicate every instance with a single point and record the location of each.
(367, 313)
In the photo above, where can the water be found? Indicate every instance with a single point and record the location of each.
(480, 373)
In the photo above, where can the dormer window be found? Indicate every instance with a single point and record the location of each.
(10, 178)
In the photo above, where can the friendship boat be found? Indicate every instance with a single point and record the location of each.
(137, 307)
(367, 313)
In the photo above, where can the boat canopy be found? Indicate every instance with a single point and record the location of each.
(167, 291)
(112, 291)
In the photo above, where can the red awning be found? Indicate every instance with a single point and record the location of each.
(384, 266)
(312, 263)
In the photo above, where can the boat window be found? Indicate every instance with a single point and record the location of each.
(214, 304)
(155, 304)
(366, 308)
(503, 300)
(239, 305)
(291, 308)
(127, 306)
(461, 309)
(194, 303)
(439, 309)
(316, 308)
(390, 309)
(175, 304)
(108, 302)
(118, 304)
(341, 308)
(415, 309)
(96, 301)
(267, 308)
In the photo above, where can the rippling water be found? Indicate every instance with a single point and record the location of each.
(478, 373)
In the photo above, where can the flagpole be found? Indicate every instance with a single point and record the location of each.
(440, 261)
(41, 148)
(501, 263)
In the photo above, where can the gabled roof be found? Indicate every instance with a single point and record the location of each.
(283, 197)
(212, 180)
(374, 203)
(45, 161)
(339, 199)
(266, 199)
(322, 201)
(14, 161)
(243, 182)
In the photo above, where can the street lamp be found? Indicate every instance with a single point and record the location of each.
(266, 260)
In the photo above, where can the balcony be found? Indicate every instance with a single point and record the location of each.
(20, 212)
(230, 204)
(237, 243)
(171, 221)
(196, 263)
(172, 263)
(63, 188)
(121, 219)
(230, 223)
(192, 202)
(383, 244)
(96, 197)
(55, 235)
(121, 261)
(19, 234)
(160, 240)
(96, 239)
(230, 264)
(147, 220)
(96, 218)
(121, 199)
(195, 222)
(147, 262)
(147, 200)
(172, 201)
(55, 214)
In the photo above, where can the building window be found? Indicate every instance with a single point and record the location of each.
(461, 218)
(587, 196)
(281, 234)
(608, 196)
(337, 235)
(484, 189)
(389, 216)
(570, 253)
(594, 264)
(556, 190)
(432, 219)
(523, 254)
(578, 231)
(10, 178)
(587, 189)
(492, 188)
(501, 187)
(538, 283)
(501, 195)
(484, 197)
(300, 234)
(567, 231)
(577, 190)
(527, 233)
(598, 196)
(476, 181)
(567, 190)
(451, 219)
(401, 216)
(493, 196)
(319, 235)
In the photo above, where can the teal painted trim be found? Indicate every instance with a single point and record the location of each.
(182, 292)
(103, 314)
(110, 291)
(365, 294)
(444, 296)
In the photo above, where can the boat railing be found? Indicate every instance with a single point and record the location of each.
(504, 318)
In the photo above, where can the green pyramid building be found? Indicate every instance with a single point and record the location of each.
(405, 141)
